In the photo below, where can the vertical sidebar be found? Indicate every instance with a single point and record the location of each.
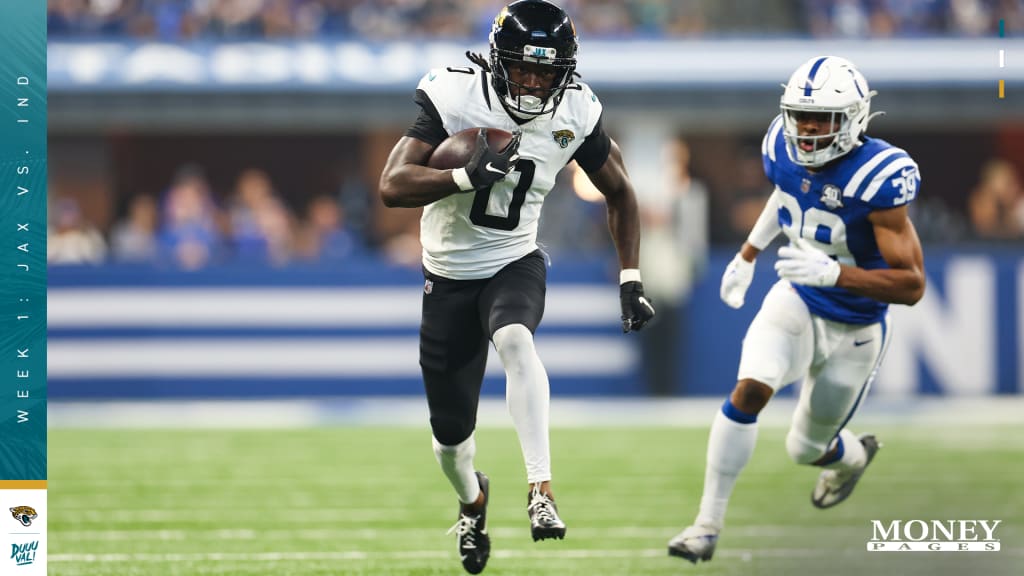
(1002, 61)
(23, 510)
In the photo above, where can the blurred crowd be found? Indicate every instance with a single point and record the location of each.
(189, 227)
(382, 20)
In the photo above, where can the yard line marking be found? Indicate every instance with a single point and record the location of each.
(428, 555)
(626, 532)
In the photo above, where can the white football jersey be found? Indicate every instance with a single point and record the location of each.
(473, 235)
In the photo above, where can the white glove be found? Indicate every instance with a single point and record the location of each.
(735, 281)
(801, 263)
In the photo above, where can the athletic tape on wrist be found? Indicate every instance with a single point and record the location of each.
(461, 178)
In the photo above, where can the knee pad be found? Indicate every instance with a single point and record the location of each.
(513, 338)
(462, 449)
(451, 431)
(803, 450)
(514, 344)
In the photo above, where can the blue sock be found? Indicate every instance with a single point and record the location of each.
(840, 450)
(736, 415)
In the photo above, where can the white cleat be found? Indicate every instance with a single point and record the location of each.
(834, 486)
(694, 543)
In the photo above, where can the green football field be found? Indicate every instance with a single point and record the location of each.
(373, 501)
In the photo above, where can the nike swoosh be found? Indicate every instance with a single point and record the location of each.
(490, 168)
(862, 342)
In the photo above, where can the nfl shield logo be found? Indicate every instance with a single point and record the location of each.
(428, 286)
(805, 185)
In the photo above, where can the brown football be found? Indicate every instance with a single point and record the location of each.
(455, 151)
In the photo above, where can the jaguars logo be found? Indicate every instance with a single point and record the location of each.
(500, 18)
(563, 137)
(24, 514)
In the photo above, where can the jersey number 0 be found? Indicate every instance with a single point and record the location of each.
(478, 214)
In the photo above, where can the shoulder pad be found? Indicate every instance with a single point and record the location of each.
(770, 146)
(885, 179)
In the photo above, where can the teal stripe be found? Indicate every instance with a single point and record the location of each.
(1002, 28)
(23, 252)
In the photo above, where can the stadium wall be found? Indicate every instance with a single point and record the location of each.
(132, 332)
(327, 85)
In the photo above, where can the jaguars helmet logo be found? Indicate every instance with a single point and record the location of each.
(563, 137)
(24, 514)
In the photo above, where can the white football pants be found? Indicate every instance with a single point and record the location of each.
(837, 362)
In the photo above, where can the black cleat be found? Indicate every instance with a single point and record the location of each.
(544, 520)
(834, 486)
(471, 530)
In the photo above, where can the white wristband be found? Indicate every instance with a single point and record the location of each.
(629, 275)
(461, 178)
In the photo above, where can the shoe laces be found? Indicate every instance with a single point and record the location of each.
(542, 507)
(465, 529)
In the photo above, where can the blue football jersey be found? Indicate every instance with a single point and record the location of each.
(830, 209)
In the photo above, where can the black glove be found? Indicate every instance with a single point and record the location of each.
(485, 166)
(636, 308)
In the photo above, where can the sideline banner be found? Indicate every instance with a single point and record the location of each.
(23, 289)
(116, 65)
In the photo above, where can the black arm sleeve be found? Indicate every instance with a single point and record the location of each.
(594, 150)
(428, 126)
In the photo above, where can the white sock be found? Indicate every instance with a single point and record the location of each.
(854, 455)
(528, 396)
(457, 464)
(730, 447)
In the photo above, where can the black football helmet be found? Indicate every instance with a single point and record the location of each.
(538, 32)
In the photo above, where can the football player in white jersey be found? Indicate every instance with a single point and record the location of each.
(485, 276)
(841, 199)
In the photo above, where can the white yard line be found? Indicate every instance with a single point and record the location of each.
(565, 412)
(744, 554)
(622, 532)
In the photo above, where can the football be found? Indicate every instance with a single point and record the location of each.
(455, 151)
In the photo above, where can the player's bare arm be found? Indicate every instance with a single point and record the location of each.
(749, 252)
(623, 214)
(407, 182)
(904, 281)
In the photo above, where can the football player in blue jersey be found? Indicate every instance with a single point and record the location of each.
(841, 199)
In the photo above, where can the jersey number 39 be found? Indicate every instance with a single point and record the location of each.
(823, 229)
